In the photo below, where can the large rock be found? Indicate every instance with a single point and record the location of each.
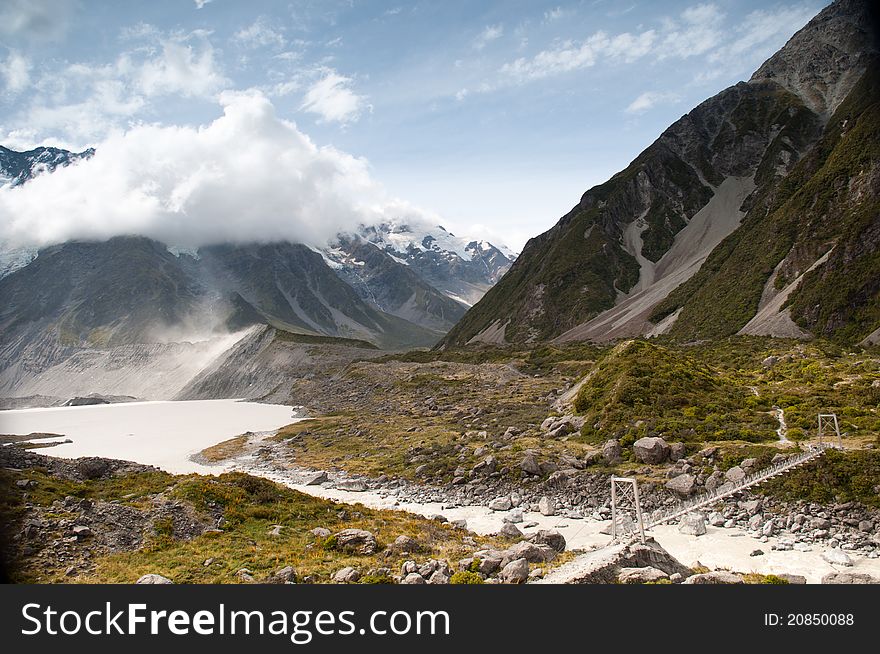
(717, 577)
(153, 578)
(651, 449)
(413, 578)
(357, 541)
(510, 530)
(549, 537)
(692, 524)
(501, 504)
(531, 552)
(315, 478)
(547, 506)
(683, 485)
(640, 575)
(347, 575)
(530, 465)
(837, 557)
(735, 475)
(515, 572)
(514, 517)
(611, 451)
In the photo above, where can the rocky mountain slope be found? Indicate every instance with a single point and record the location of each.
(755, 212)
(18, 167)
(152, 318)
(130, 306)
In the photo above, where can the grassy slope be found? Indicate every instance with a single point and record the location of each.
(250, 507)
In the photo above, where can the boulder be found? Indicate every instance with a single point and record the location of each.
(514, 517)
(735, 475)
(515, 572)
(837, 557)
(530, 465)
(692, 524)
(153, 578)
(682, 485)
(549, 537)
(315, 478)
(321, 532)
(413, 578)
(286, 575)
(547, 506)
(717, 577)
(640, 575)
(509, 530)
(716, 519)
(357, 541)
(651, 449)
(346, 575)
(501, 504)
(611, 451)
(530, 552)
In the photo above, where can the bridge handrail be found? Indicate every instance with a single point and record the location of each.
(713, 496)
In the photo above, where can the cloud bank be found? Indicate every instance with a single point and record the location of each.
(248, 176)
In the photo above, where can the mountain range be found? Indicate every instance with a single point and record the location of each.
(758, 212)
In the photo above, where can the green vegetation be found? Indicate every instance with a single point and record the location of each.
(827, 199)
(249, 507)
(835, 477)
(466, 577)
(641, 389)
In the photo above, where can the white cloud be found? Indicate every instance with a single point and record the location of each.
(79, 103)
(697, 30)
(247, 176)
(568, 55)
(761, 34)
(489, 34)
(650, 99)
(35, 20)
(200, 4)
(259, 34)
(182, 69)
(15, 72)
(333, 100)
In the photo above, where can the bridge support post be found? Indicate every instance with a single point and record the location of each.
(625, 491)
(828, 422)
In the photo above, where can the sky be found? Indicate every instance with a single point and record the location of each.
(221, 118)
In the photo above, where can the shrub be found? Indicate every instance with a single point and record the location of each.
(466, 577)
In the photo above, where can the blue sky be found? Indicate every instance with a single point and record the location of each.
(492, 116)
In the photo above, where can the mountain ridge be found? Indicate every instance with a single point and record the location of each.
(572, 282)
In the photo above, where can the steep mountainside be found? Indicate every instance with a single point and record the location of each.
(723, 214)
(386, 283)
(127, 302)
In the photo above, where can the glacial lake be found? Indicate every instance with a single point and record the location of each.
(163, 433)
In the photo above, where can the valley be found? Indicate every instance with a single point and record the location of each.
(388, 402)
